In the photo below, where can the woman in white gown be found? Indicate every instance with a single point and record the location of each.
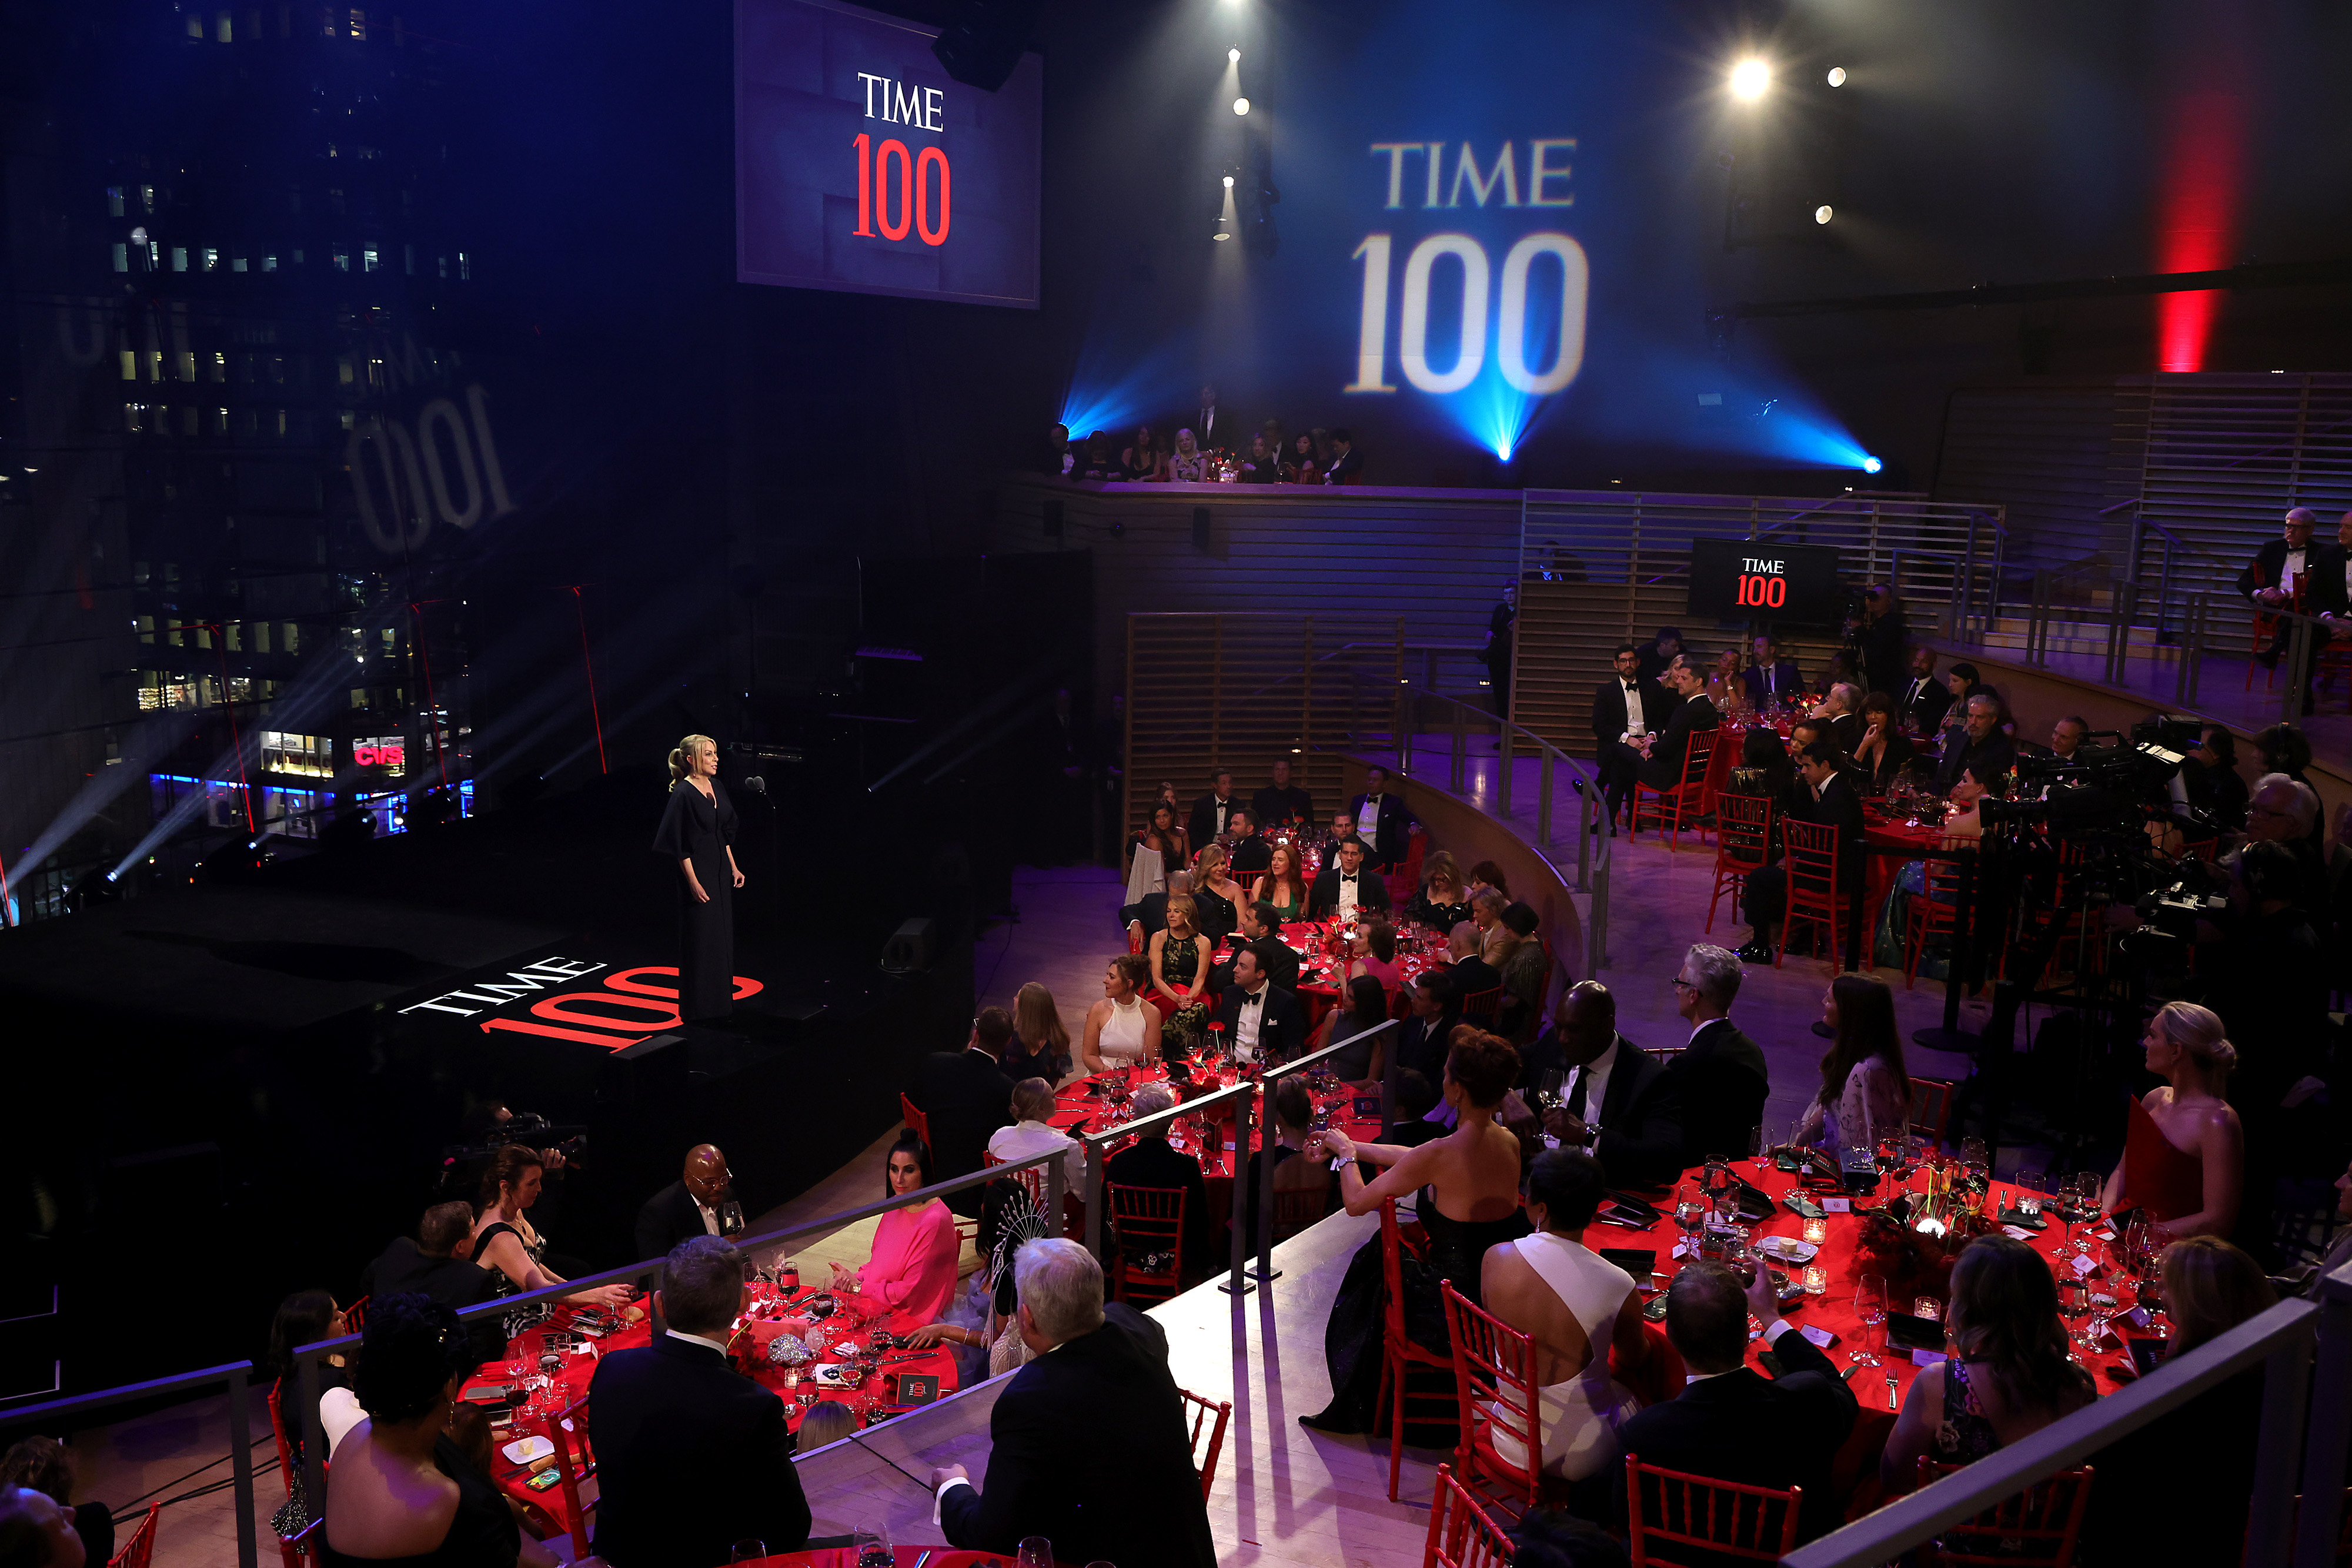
(1577, 1309)
(1122, 1029)
(1155, 854)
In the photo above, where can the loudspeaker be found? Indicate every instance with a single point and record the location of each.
(985, 42)
(910, 951)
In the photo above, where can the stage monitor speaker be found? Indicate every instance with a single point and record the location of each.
(985, 42)
(911, 950)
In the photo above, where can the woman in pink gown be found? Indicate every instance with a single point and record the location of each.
(911, 1276)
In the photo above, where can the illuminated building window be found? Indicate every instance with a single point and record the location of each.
(158, 692)
(445, 266)
(464, 268)
(147, 198)
(386, 754)
(220, 366)
(147, 627)
(195, 27)
(131, 418)
(235, 640)
(268, 264)
(222, 32)
(114, 200)
(186, 367)
(179, 259)
(155, 364)
(348, 423)
(309, 756)
(129, 365)
(237, 265)
(359, 24)
(281, 422)
(344, 371)
(343, 259)
(368, 259)
(211, 259)
(293, 638)
(261, 636)
(327, 23)
(220, 422)
(122, 257)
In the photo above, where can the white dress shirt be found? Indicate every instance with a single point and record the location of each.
(1367, 821)
(1634, 723)
(2296, 560)
(1026, 1138)
(1348, 882)
(710, 1217)
(1246, 1020)
(1595, 1075)
(718, 1344)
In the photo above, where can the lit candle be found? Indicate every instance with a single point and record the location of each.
(1817, 1230)
(1817, 1279)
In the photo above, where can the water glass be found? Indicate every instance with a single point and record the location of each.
(748, 1551)
(1870, 1306)
(2030, 1189)
(873, 1544)
(1036, 1551)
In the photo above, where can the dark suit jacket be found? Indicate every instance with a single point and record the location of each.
(1845, 732)
(965, 1096)
(1641, 1120)
(668, 1217)
(1135, 1502)
(1663, 768)
(2270, 562)
(1723, 1082)
(1747, 1429)
(1789, 682)
(1896, 755)
(1987, 759)
(1609, 707)
(1202, 824)
(1922, 704)
(1275, 956)
(454, 1281)
(1277, 802)
(691, 1457)
(1396, 824)
(1840, 808)
(1421, 1045)
(1472, 975)
(1251, 855)
(1348, 468)
(1371, 891)
(2328, 595)
(1282, 1022)
(1150, 1162)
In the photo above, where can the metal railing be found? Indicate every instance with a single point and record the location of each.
(309, 1358)
(2203, 625)
(1265, 1273)
(2280, 1340)
(231, 1379)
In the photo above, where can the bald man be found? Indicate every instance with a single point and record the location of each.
(696, 1204)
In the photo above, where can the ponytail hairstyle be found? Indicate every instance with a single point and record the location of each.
(682, 755)
(2197, 1030)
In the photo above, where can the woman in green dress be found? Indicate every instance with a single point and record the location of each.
(1282, 885)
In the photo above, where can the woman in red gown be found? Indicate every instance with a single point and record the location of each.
(2184, 1154)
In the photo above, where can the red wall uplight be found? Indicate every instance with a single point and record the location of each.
(2198, 211)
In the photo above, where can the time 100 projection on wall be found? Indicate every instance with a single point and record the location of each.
(861, 165)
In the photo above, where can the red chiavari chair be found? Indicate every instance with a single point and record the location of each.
(1686, 797)
(1743, 843)
(567, 1430)
(1814, 895)
(1496, 1394)
(1399, 1354)
(1198, 1412)
(1460, 1533)
(140, 1547)
(1716, 1520)
(2038, 1528)
(1148, 1220)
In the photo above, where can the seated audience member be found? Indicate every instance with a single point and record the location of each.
(2210, 1288)
(1629, 704)
(1371, 951)
(1100, 460)
(962, 1095)
(2283, 748)
(1440, 902)
(1179, 958)
(1343, 829)
(1977, 750)
(2210, 782)
(1383, 821)
(1122, 1029)
(1149, 914)
(1367, 1009)
(45, 1465)
(306, 1317)
(694, 1205)
(437, 1263)
(1655, 759)
(1488, 877)
(2013, 1375)
(1262, 463)
(1261, 932)
(1294, 1108)
(1188, 464)
(1842, 708)
(1152, 1161)
(1732, 1424)
(38, 1531)
(673, 1421)
(1924, 701)
(1142, 462)
(1346, 886)
(1765, 773)
(910, 1274)
(1283, 803)
(1427, 1033)
(1653, 657)
(1612, 1087)
(1152, 852)
(1577, 1310)
(1282, 885)
(1218, 895)
(1824, 797)
(2268, 580)
(1496, 941)
(1136, 1498)
(1057, 457)
(507, 1246)
(1525, 973)
(404, 1488)
(826, 1421)
(1416, 1097)
(1263, 1022)
(1040, 1046)
(1720, 1075)
(1211, 812)
(1725, 688)
(1865, 1092)
(1251, 854)
(1472, 975)
(1347, 464)
(1033, 1133)
(1773, 677)
(2184, 1151)
(2066, 736)
(1298, 464)
(1884, 753)
(1960, 684)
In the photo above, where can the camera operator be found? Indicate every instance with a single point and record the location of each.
(2210, 781)
(491, 1125)
(1881, 635)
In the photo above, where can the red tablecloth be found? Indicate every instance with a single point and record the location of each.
(902, 1557)
(1323, 954)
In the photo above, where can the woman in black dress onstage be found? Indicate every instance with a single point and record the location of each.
(1467, 1198)
(698, 831)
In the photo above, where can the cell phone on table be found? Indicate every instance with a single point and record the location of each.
(1654, 1309)
(543, 1480)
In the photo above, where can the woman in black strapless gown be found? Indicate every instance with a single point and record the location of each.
(697, 836)
(1467, 1200)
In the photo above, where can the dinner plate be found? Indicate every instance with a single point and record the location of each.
(1787, 1250)
(527, 1451)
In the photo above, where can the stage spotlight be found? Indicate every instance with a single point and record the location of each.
(1229, 182)
(1837, 76)
(1241, 106)
(1821, 214)
(1223, 232)
(1871, 465)
(1234, 56)
(1749, 79)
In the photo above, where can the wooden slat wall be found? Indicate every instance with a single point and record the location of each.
(2227, 455)
(2043, 450)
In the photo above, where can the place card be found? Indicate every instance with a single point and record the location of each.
(1681, 1249)
(1926, 1358)
(2016, 1233)
(1837, 1206)
(2084, 1267)
(2137, 1317)
(1822, 1339)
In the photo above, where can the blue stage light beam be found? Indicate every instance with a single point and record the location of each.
(1116, 386)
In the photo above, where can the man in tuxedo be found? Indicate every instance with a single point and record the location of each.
(1828, 796)
(1100, 1377)
(1628, 704)
(1465, 945)
(1383, 820)
(2330, 594)
(1619, 1100)
(1261, 932)
(438, 1262)
(1343, 831)
(1251, 854)
(1347, 887)
(673, 1421)
(1921, 704)
(1262, 1021)
(1977, 749)
(689, 1206)
(1428, 1029)
(1656, 655)
(1150, 913)
(1347, 463)
(1774, 676)
(1733, 1423)
(1211, 811)
(2268, 580)
(1842, 710)
(1212, 426)
(1881, 635)
(1282, 801)
(1659, 765)
(965, 1096)
(1150, 1162)
(1720, 1072)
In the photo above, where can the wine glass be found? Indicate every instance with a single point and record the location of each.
(1690, 1213)
(1036, 1551)
(2082, 1190)
(1870, 1306)
(873, 1544)
(1759, 1147)
(1549, 1088)
(748, 1551)
(1887, 1155)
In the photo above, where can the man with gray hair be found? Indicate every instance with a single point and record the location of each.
(1977, 750)
(674, 1421)
(1100, 1379)
(1721, 1072)
(2268, 581)
(1150, 1161)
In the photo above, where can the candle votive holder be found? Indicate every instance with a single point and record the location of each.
(1817, 1230)
(1817, 1279)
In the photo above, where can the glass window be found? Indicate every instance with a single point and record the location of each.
(445, 266)
(237, 264)
(186, 367)
(195, 26)
(293, 638)
(188, 418)
(179, 259)
(221, 30)
(368, 261)
(236, 638)
(114, 200)
(211, 259)
(155, 364)
(408, 254)
(359, 24)
(131, 417)
(298, 258)
(129, 365)
(122, 257)
(220, 422)
(268, 264)
(220, 366)
(343, 259)
(147, 198)
(464, 268)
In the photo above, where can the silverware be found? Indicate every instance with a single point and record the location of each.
(1891, 1402)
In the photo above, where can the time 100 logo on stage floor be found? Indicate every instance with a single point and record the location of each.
(860, 165)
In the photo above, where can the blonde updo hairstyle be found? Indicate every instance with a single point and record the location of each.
(2197, 1030)
(682, 755)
